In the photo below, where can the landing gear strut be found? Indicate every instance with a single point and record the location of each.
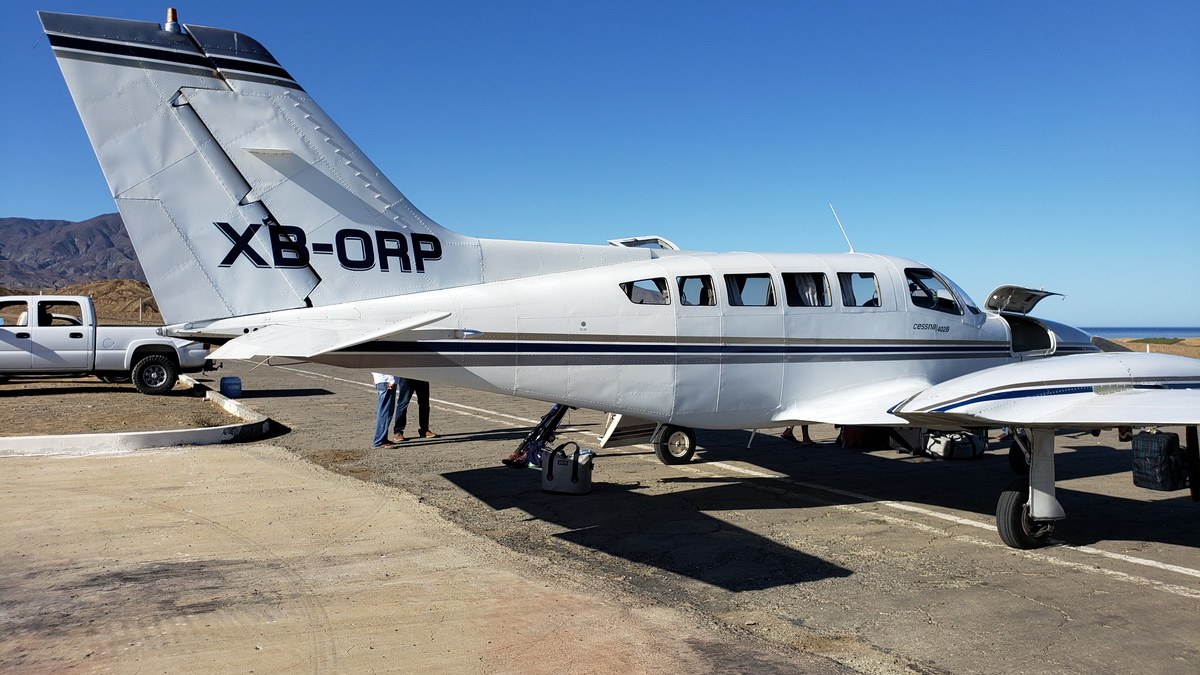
(1027, 510)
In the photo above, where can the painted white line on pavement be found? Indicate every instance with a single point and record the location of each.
(961, 521)
(495, 416)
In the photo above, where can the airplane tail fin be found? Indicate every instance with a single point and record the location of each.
(241, 196)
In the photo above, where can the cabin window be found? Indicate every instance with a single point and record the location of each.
(750, 290)
(807, 289)
(696, 290)
(647, 291)
(926, 289)
(14, 313)
(859, 289)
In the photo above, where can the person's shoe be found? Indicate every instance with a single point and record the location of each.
(385, 446)
(430, 434)
(787, 436)
(400, 438)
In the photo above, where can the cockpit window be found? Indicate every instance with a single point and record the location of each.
(859, 289)
(927, 290)
(696, 290)
(750, 290)
(807, 289)
(647, 291)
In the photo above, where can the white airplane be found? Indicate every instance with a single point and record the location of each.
(262, 226)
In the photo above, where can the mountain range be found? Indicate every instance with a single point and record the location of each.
(52, 254)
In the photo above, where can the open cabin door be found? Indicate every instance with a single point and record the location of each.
(1029, 336)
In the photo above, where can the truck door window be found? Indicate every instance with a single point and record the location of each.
(14, 313)
(51, 313)
(647, 291)
(859, 289)
(696, 290)
(807, 289)
(926, 290)
(750, 290)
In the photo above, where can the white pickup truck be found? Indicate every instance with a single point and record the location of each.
(57, 334)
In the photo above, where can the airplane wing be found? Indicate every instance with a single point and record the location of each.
(306, 339)
(1085, 390)
(862, 405)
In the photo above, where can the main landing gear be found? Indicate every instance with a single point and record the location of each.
(673, 445)
(1028, 509)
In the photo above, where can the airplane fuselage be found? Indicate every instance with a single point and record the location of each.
(732, 340)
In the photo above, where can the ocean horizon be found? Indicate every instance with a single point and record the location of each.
(1142, 331)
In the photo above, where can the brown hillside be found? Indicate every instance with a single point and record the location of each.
(117, 300)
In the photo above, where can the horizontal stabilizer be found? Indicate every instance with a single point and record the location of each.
(304, 340)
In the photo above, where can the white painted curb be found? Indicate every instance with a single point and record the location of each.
(253, 427)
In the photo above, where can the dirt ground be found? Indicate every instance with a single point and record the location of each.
(1189, 347)
(85, 405)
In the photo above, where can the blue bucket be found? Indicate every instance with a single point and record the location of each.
(231, 387)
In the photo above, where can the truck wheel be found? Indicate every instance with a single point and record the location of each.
(155, 374)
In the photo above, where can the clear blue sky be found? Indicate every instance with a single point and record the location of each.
(1051, 144)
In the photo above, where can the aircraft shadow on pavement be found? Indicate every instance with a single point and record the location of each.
(974, 485)
(453, 439)
(666, 531)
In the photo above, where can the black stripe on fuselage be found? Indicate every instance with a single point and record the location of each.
(674, 349)
(508, 354)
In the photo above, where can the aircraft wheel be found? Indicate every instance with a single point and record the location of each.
(1016, 528)
(155, 374)
(1017, 461)
(676, 445)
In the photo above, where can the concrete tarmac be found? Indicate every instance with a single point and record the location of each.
(247, 559)
(435, 557)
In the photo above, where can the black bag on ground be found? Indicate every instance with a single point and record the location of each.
(1158, 462)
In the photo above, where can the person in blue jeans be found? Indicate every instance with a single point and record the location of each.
(385, 388)
(407, 389)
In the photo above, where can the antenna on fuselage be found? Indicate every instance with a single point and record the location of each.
(839, 222)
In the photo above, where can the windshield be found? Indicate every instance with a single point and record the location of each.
(962, 295)
(931, 290)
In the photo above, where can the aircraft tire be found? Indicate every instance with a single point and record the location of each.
(154, 374)
(1013, 523)
(1017, 461)
(677, 445)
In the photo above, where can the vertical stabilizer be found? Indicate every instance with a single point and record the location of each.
(240, 195)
